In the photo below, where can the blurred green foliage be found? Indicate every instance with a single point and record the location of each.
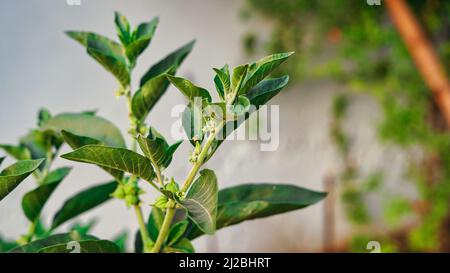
(356, 45)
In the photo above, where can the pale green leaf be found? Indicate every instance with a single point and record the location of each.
(11, 177)
(85, 125)
(201, 201)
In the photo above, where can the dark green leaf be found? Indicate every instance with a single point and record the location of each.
(34, 201)
(114, 158)
(88, 126)
(262, 69)
(222, 81)
(1, 160)
(237, 80)
(252, 201)
(105, 51)
(63, 238)
(155, 222)
(76, 142)
(6, 245)
(141, 39)
(11, 177)
(189, 89)
(149, 94)
(258, 95)
(174, 60)
(123, 28)
(18, 152)
(43, 116)
(83, 228)
(176, 232)
(201, 201)
(121, 241)
(266, 90)
(156, 148)
(83, 201)
(88, 246)
(182, 246)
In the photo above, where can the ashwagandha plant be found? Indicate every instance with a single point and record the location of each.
(183, 211)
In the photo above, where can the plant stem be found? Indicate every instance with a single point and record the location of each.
(199, 162)
(143, 228)
(137, 208)
(170, 211)
(31, 231)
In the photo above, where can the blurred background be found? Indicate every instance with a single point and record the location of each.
(358, 119)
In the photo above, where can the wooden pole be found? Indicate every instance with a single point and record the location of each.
(422, 53)
(329, 213)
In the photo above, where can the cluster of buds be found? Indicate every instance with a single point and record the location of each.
(210, 126)
(195, 153)
(129, 192)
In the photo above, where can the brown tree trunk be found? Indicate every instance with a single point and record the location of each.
(422, 53)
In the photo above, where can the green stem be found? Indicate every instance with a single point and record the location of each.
(31, 231)
(199, 162)
(142, 228)
(170, 212)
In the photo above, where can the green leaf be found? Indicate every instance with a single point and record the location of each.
(266, 90)
(155, 222)
(193, 120)
(156, 148)
(37, 142)
(189, 89)
(6, 245)
(43, 116)
(241, 106)
(201, 201)
(34, 201)
(182, 246)
(174, 60)
(114, 158)
(141, 39)
(1, 160)
(258, 95)
(76, 142)
(18, 152)
(83, 201)
(87, 125)
(252, 201)
(11, 177)
(123, 28)
(121, 241)
(237, 80)
(105, 51)
(176, 232)
(63, 238)
(83, 228)
(262, 69)
(222, 81)
(149, 94)
(88, 246)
